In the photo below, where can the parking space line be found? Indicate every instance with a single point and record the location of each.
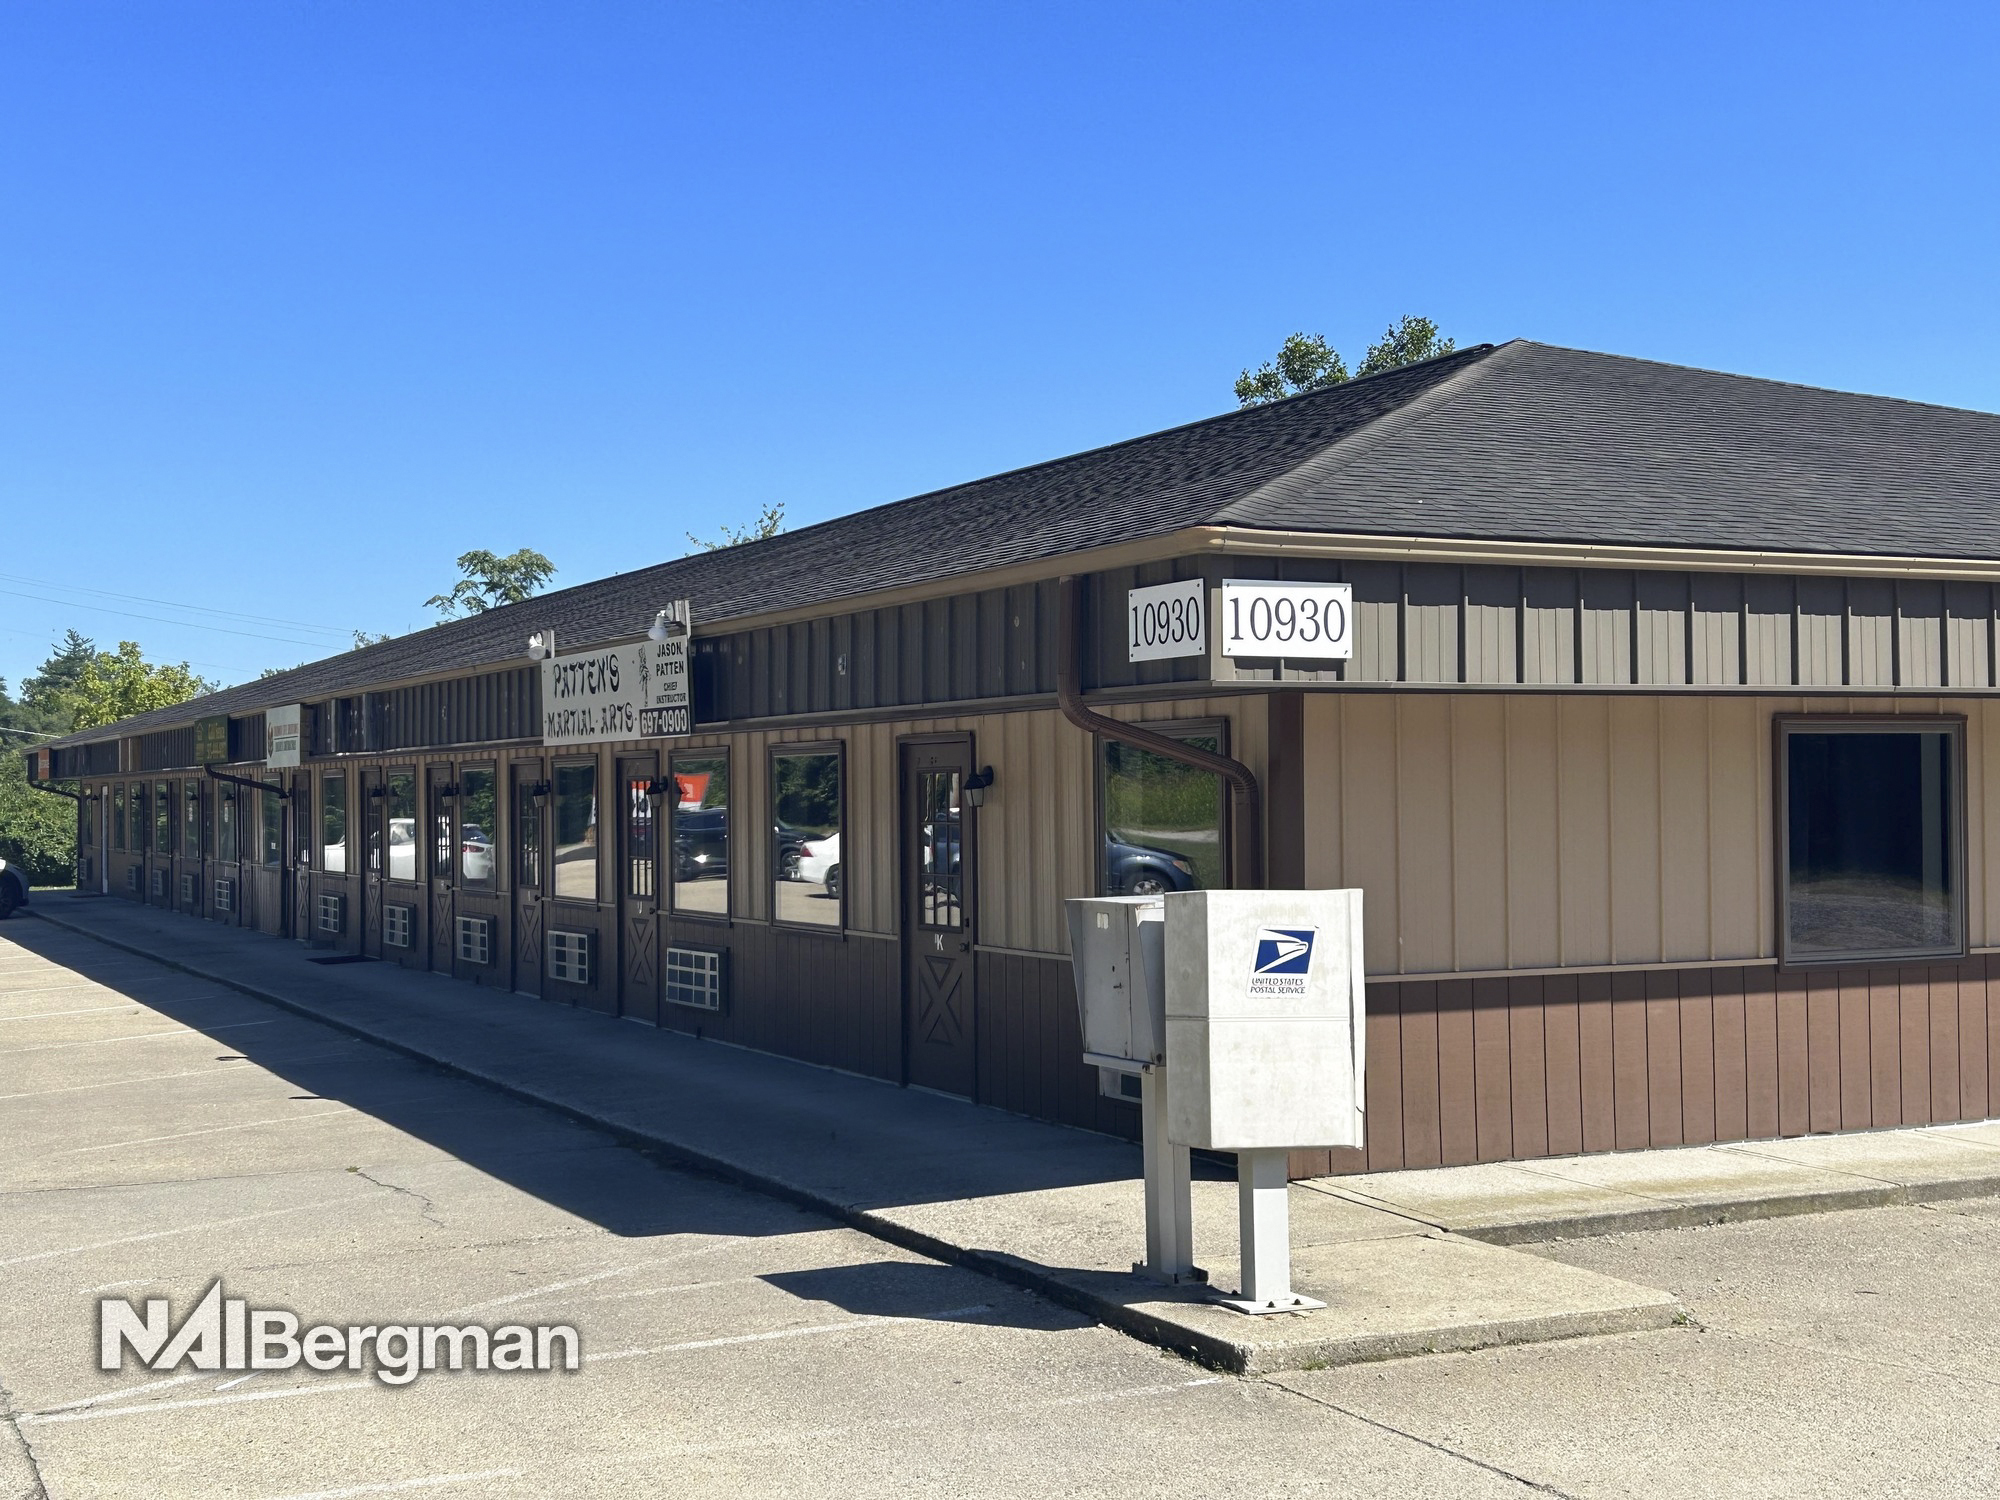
(428, 1482)
(871, 1321)
(181, 1029)
(147, 1407)
(160, 1234)
(126, 1394)
(120, 1083)
(153, 1140)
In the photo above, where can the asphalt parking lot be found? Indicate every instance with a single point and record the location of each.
(164, 1131)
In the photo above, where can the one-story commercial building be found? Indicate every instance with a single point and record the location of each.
(1652, 709)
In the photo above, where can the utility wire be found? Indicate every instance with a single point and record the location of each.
(255, 635)
(78, 588)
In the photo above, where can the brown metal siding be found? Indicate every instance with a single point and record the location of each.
(1488, 1070)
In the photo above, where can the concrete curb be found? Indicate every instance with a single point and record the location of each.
(1139, 1321)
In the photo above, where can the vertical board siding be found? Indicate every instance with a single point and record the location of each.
(1492, 832)
(1564, 1064)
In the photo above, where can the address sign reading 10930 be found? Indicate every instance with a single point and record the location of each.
(1298, 621)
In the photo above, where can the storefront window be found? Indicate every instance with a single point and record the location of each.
(163, 817)
(399, 815)
(1873, 824)
(576, 832)
(806, 854)
(118, 816)
(699, 820)
(478, 812)
(225, 824)
(333, 823)
(1162, 821)
(273, 811)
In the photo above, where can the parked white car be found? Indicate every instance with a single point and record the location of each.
(819, 863)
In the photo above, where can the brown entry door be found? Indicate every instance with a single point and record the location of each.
(440, 791)
(938, 915)
(638, 890)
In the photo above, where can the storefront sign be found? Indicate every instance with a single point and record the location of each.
(618, 693)
(1297, 621)
(211, 740)
(1167, 619)
(282, 740)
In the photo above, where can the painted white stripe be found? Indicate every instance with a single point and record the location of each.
(88, 1010)
(144, 1408)
(564, 1286)
(151, 1140)
(161, 1234)
(129, 1391)
(230, 1385)
(429, 1481)
(949, 1315)
(119, 1083)
(143, 1036)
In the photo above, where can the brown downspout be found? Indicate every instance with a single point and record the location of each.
(1247, 804)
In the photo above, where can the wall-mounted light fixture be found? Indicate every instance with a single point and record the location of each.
(540, 792)
(669, 624)
(447, 790)
(542, 645)
(376, 791)
(659, 786)
(977, 785)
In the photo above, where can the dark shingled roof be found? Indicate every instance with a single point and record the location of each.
(1524, 442)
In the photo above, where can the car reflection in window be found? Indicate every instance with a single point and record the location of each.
(1135, 870)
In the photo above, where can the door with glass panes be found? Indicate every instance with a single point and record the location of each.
(938, 915)
(638, 889)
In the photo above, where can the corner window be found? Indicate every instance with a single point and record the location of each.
(808, 877)
(1162, 820)
(478, 811)
(333, 823)
(699, 824)
(399, 815)
(272, 843)
(576, 832)
(1873, 846)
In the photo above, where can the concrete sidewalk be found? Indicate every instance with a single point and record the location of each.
(1043, 1206)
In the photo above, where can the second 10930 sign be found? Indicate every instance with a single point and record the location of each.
(1299, 621)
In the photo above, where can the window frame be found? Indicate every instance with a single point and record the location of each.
(390, 776)
(1173, 729)
(460, 880)
(528, 820)
(728, 912)
(331, 778)
(772, 754)
(1783, 726)
(271, 801)
(166, 820)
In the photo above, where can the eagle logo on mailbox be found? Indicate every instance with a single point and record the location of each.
(1283, 960)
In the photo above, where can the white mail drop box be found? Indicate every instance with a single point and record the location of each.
(1117, 956)
(1264, 1019)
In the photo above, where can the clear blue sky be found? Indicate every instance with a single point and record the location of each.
(299, 301)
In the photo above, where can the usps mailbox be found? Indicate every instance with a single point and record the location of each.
(1265, 1037)
(1117, 950)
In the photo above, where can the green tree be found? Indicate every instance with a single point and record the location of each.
(37, 829)
(1307, 362)
(490, 581)
(115, 685)
(1409, 340)
(770, 521)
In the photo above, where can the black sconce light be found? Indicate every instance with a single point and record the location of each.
(540, 792)
(448, 791)
(377, 791)
(659, 786)
(977, 785)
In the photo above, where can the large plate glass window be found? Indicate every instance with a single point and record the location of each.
(1873, 839)
(478, 813)
(576, 831)
(809, 877)
(273, 824)
(333, 822)
(699, 823)
(1162, 820)
(163, 817)
(399, 813)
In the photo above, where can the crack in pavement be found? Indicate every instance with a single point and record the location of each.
(429, 1209)
(1446, 1449)
(37, 1489)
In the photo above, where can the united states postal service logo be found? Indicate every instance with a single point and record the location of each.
(1283, 960)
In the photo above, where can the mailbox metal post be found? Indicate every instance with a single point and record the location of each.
(1264, 1228)
(1169, 1191)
